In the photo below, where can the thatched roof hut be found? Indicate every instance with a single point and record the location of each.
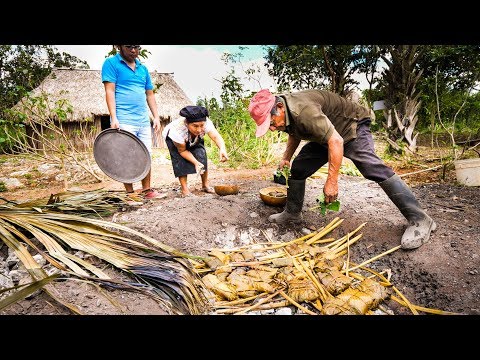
(84, 91)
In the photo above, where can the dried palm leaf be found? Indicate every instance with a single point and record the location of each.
(164, 268)
(25, 290)
(99, 202)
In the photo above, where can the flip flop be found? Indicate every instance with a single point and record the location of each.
(208, 190)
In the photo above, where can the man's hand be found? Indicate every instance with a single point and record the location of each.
(114, 124)
(330, 190)
(156, 124)
(283, 163)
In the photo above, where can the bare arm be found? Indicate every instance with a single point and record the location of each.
(111, 104)
(218, 139)
(187, 155)
(335, 156)
(152, 104)
(292, 145)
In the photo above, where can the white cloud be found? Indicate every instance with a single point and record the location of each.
(198, 71)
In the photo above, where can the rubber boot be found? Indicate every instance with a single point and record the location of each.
(293, 207)
(418, 232)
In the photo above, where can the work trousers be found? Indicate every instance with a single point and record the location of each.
(360, 150)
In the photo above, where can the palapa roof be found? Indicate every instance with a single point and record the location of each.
(84, 90)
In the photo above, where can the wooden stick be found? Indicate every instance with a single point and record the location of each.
(332, 225)
(375, 258)
(250, 308)
(323, 292)
(350, 234)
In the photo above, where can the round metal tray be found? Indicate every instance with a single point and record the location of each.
(121, 155)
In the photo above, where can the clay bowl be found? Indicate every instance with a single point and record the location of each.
(274, 195)
(223, 190)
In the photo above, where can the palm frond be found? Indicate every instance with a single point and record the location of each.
(165, 269)
(25, 290)
(98, 202)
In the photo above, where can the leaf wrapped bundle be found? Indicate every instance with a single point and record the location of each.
(302, 290)
(334, 281)
(220, 288)
(356, 301)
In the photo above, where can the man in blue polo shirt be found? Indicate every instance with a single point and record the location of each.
(128, 91)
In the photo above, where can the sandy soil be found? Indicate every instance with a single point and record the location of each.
(442, 274)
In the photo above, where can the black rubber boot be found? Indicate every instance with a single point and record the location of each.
(293, 207)
(420, 223)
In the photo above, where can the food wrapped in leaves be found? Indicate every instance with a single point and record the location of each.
(247, 286)
(293, 249)
(222, 276)
(262, 273)
(324, 265)
(335, 281)
(285, 273)
(280, 262)
(225, 290)
(243, 284)
(213, 262)
(236, 257)
(356, 301)
(248, 255)
(220, 255)
(302, 290)
(223, 269)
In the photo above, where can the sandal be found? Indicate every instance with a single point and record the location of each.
(208, 190)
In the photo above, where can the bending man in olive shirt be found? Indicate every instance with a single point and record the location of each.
(334, 127)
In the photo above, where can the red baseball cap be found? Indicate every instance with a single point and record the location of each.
(260, 106)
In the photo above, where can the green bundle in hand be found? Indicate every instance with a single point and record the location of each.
(333, 206)
(285, 172)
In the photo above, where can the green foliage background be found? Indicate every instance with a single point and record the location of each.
(238, 131)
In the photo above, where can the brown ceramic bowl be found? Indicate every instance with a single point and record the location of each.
(274, 195)
(223, 190)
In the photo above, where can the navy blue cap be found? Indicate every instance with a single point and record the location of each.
(194, 113)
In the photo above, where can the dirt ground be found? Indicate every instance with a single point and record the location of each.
(442, 274)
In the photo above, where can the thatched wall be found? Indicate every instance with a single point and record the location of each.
(84, 90)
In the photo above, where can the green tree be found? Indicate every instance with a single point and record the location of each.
(298, 67)
(23, 68)
(233, 121)
(451, 73)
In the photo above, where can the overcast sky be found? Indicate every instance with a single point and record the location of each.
(198, 69)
